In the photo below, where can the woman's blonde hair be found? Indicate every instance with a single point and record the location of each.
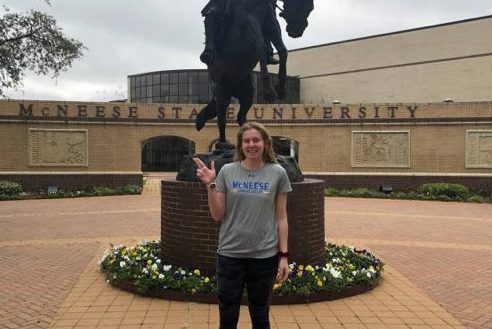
(268, 155)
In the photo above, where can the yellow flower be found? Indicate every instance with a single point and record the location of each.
(196, 272)
(371, 268)
(299, 274)
(124, 252)
(309, 268)
(319, 283)
(276, 286)
(351, 267)
(301, 267)
(193, 291)
(206, 280)
(149, 262)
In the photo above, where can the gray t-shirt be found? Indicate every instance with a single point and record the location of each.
(250, 228)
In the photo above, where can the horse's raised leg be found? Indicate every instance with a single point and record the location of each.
(207, 113)
(245, 97)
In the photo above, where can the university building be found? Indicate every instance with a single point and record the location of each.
(398, 109)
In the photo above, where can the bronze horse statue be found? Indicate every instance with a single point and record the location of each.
(239, 50)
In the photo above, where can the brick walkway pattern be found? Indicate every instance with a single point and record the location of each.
(438, 259)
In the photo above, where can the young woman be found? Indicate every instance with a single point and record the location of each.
(249, 197)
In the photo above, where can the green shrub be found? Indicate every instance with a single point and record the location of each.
(53, 193)
(363, 192)
(9, 189)
(103, 190)
(331, 191)
(131, 189)
(444, 191)
(476, 198)
(404, 195)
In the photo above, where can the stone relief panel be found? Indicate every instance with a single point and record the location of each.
(478, 149)
(381, 149)
(58, 147)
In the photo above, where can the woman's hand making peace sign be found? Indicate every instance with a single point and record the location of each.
(205, 174)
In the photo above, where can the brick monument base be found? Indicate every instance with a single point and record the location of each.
(189, 234)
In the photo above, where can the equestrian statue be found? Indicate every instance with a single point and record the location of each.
(238, 35)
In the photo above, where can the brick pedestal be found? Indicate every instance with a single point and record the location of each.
(189, 235)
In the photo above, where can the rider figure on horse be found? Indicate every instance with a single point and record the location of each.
(215, 13)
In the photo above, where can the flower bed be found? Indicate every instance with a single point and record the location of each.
(139, 269)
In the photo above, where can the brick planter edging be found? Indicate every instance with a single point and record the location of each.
(189, 234)
(276, 300)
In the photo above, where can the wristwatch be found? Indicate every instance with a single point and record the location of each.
(211, 186)
(283, 254)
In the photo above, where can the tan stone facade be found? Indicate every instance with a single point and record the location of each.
(56, 138)
(428, 64)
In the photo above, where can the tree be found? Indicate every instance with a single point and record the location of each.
(33, 41)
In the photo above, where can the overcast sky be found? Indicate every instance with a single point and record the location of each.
(127, 37)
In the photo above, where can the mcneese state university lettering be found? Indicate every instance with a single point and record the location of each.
(74, 144)
(288, 112)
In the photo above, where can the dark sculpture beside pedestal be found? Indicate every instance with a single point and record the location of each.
(224, 155)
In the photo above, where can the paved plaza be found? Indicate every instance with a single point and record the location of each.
(438, 272)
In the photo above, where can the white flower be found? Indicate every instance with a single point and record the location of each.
(122, 264)
(354, 273)
(336, 274)
(166, 267)
(161, 276)
(368, 274)
(154, 267)
(158, 261)
(145, 270)
(183, 272)
(106, 254)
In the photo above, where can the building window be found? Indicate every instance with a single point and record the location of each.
(194, 86)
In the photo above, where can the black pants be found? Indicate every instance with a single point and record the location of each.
(232, 275)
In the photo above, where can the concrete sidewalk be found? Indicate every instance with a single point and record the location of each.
(438, 258)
